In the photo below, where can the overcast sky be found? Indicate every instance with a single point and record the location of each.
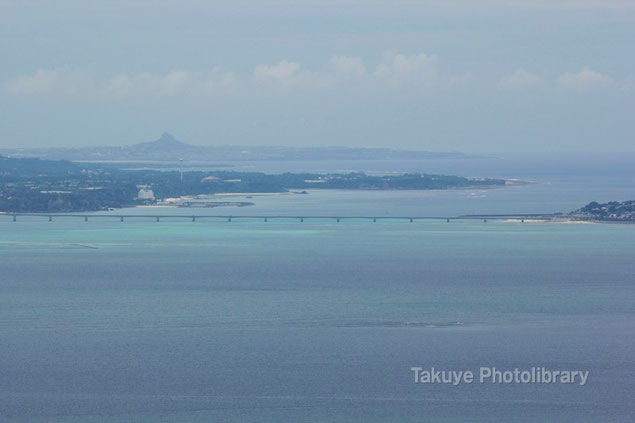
(430, 75)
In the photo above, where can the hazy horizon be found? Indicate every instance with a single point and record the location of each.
(468, 154)
(432, 76)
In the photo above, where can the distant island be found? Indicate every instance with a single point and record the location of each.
(50, 186)
(613, 211)
(167, 148)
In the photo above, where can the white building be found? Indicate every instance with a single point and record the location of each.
(145, 194)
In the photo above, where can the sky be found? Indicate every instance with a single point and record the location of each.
(451, 75)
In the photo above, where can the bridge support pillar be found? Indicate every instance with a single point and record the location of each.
(265, 219)
(338, 220)
(410, 220)
(50, 218)
(522, 220)
(85, 218)
(484, 220)
(15, 218)
(448, 220)
(157, 218)
(122, 218)
(301, 219)
(193, 218)
(229, 219)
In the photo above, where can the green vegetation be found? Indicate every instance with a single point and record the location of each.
(613, 211)
(32, 185)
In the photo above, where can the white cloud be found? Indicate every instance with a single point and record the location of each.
(414, 72)
(401, 69)
(119, 86)
(174, 83)
(43, 81)
(284, 70)
(584, 80)
(286, 76)
(393, 70)
(348, 65)
(47, 81)
(521, 78)
(67, 83)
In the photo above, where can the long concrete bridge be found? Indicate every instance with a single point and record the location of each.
(266, 218)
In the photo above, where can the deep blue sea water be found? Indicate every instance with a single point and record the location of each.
(319, 321)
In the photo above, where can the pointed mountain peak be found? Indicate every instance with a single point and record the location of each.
(166, 136)
(167, 139)
(166, 143)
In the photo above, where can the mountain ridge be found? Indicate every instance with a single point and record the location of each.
(168, 148)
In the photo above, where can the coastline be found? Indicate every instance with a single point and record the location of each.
(570, 221)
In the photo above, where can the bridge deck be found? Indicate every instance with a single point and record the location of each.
(158, 217)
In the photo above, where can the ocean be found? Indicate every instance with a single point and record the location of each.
(319, 321)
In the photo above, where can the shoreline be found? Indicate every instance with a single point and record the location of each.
(569, 221)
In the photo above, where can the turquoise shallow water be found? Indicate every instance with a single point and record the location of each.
(316, 321)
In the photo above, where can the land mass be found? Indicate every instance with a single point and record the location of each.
(167, 148)
(613, 211)
(41, 186)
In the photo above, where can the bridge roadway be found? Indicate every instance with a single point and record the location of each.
(265, 218)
